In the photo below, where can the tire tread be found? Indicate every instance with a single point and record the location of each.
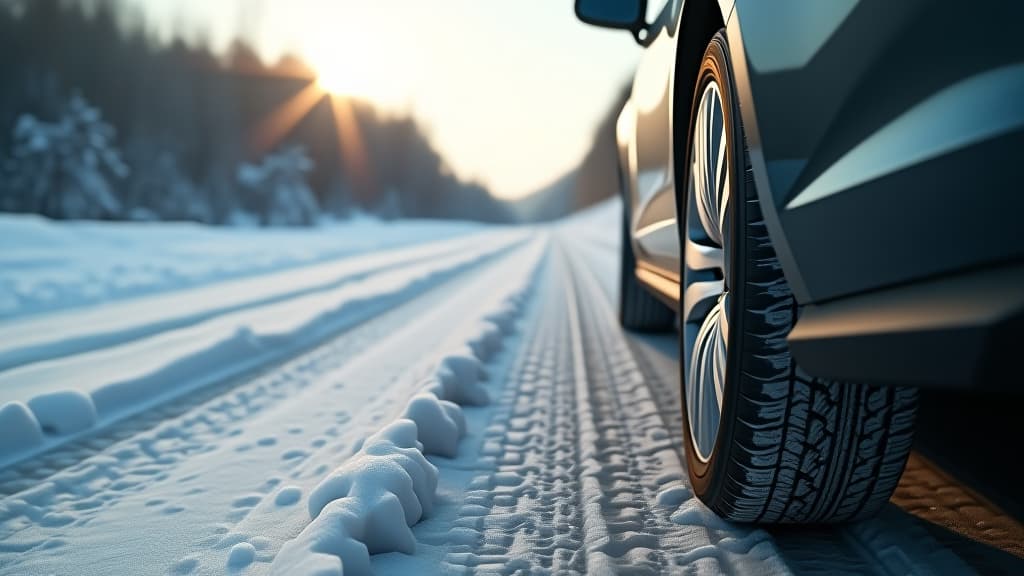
(805, 450)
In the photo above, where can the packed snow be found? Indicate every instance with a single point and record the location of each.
(47, 265)
(70, 393)
(411, 399)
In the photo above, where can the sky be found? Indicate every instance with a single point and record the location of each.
(509, 91)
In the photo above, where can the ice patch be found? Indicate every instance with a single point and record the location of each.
(64, 412)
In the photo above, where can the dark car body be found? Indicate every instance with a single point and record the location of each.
(886, 141)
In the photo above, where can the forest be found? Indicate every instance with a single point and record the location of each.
(100, 120)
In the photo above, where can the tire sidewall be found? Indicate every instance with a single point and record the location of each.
(704, 476)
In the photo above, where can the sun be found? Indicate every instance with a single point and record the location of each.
(347, 74)
(344, 79)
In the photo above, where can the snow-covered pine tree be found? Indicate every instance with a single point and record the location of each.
(283, 196)
(64, 169)
(159, 186)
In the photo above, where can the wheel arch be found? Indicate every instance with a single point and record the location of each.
(698, 23)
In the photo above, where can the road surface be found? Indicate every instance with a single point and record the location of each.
(263, 432)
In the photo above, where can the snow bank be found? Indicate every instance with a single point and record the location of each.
(364, 507)
(119, 381)
(440, 423)
(19, 429)
(368, 504)
(47, 336)
(64, 412)
(47, 265)
(241, 555)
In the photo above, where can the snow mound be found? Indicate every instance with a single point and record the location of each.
(64, 412)
(487, 341)
(368, 504)
(365, 507)
(19, 429)
(504, 318)
(460, 374)
(440, 423)
(120, 380)
(288, 495)
(241, 555)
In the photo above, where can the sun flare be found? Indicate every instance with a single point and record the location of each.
(364, 73)
(344, 79)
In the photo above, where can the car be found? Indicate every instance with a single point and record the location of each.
(825, 200)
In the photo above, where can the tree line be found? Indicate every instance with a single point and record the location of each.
(100, 120)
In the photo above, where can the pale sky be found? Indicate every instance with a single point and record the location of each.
(509, 90)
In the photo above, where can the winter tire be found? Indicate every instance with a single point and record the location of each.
(764, 442)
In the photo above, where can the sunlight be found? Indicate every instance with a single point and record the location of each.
(352, 59)
(279, 123)
(345, 78)
(351, 145)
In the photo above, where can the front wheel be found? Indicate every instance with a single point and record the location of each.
(765, 442)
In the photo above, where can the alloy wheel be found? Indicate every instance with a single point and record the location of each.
(705, 298)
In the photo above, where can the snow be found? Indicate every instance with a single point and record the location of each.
(121, 379)
(43, 337)
(47, 265)
(19, 429)
(459, 376)
(466, 404)
(64, 168)
(279, 184)
(242, 554)
(440, 423)
(64, 412)
(367, 505)
(386, 488)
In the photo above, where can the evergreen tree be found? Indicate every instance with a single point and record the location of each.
(64, 169)
(280, 187)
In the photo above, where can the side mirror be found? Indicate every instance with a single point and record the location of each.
(624, 14)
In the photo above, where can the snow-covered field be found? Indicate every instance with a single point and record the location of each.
(411, 398)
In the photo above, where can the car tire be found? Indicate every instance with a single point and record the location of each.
(639, 310)
(786, 448)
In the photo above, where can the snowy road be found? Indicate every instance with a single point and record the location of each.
(261, 431)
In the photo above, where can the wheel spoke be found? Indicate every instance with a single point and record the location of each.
(705, 382)
(701, 256)
(699, 298)
(722, 188)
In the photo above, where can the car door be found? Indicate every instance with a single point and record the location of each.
(654, 217)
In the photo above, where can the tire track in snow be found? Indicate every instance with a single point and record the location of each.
(586, 480)
(171, 364)
(368, 504)
(129, 464)
(659, 534)
(889, 544)
(36, 338)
